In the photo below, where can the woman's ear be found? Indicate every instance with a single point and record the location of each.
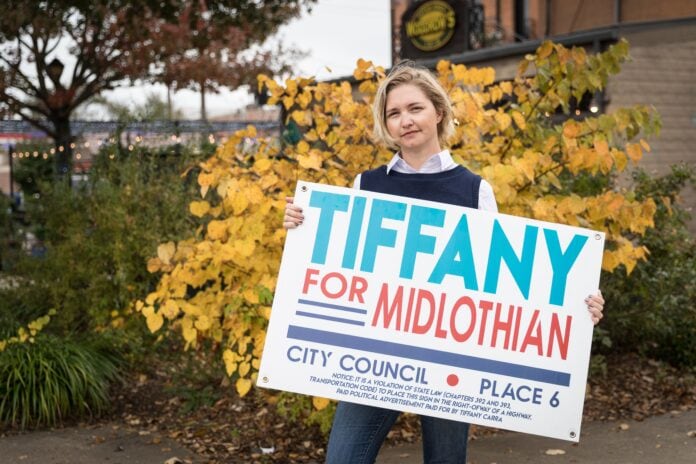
(439, 117)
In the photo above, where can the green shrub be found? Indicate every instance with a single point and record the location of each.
(652, 310)
(46, 382)
(98, 236)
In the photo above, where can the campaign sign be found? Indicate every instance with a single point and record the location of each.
(434, 309)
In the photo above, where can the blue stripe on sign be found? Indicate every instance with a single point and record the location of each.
(332, 306)
(429, 355)
(329, 318)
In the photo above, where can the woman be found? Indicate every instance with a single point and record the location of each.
(412, 114)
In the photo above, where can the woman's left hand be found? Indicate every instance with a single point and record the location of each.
(595, 305)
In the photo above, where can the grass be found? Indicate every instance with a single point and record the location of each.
(46, 382)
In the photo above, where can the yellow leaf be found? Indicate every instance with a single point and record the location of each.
(153, 265)
(311, 161)
(519, 120)
(545, 49)
(262, 165)
(320, 403)
(634, 152)
(503, 120)
(217, 230)
(571, 129)
(304, 99)
(244, 247)
(301, 117)
(189, 333)
(287, 102)
(166, 251)
(239, 203)
(602, 147)
(251, 296)
(203, 323)
(230, 359)
(170, 309)
(199, 208)
(154, 320)
(645, 145)
(243, 386)
(620, 159)
(244, 369)
(302, 147)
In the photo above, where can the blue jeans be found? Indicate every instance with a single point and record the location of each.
(358, 432)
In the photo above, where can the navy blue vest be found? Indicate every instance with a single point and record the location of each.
(458, 186)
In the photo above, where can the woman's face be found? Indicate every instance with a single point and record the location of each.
(412, 120)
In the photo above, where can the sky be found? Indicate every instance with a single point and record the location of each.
(334, 34)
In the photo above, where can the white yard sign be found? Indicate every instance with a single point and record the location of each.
(434, 309)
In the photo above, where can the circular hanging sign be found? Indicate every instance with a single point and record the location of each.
(431, 26)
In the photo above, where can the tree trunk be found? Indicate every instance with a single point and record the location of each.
(63, 157)
(204, 116)
(169, 102)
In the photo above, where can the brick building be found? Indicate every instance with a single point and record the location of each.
(662, 36)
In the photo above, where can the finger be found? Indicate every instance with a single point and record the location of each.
(294, 220)
(290, 200)
(293, 208)
(290, 224)
(294, 215)
(595, 313)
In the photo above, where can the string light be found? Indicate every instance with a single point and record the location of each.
(72, 145)
(112, 156)
(61, 149)
(53, 151)
(78, 156)
(45, 156)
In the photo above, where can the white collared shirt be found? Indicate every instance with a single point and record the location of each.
(439, 162)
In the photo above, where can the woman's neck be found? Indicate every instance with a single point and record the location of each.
(417, 160)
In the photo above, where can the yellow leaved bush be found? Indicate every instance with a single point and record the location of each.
(521, 135)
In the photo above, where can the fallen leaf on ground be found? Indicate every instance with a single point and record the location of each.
(624, 426)
(555, 452)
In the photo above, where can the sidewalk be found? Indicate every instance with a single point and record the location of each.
(670, 438)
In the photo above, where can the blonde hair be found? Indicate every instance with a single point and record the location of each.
(422, 78)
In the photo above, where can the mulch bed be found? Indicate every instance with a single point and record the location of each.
(227, 429)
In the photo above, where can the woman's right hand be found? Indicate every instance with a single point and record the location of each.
(293, 214)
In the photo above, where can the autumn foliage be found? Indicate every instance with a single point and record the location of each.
(520, 135)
